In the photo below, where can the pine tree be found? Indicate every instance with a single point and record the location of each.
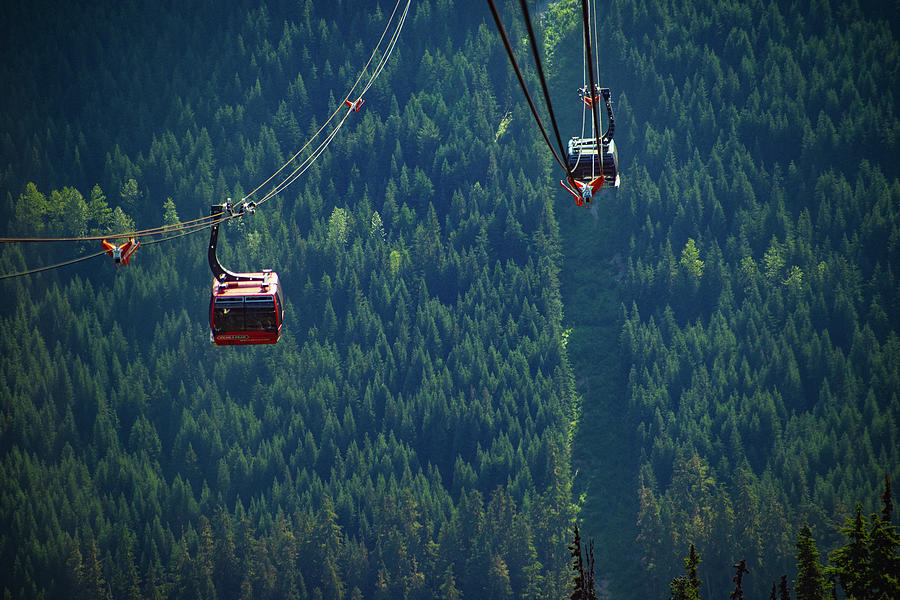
(76, 575)
(679, 586)
(883, 576)
(887, 504)
(448, 589)
(583, 582)
(690, 565)
(810, 579)
(94, 582)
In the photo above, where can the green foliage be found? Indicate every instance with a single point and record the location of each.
(170, 214)
(407, 437)
(866, 566)
(733, 309)
(810, 583)
(744, 390)
(690, 259)
(687, 587)
(850, 563)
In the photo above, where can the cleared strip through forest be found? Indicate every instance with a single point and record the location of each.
(604, 455)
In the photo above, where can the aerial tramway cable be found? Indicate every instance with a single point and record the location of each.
(515, 65)
(56, 266)
(202, 223)
(164, 229)
(179, 232)
(590, 58)
(306, 163)
(540, 69)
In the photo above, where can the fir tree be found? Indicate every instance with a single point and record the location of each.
(690, 565)
(887, 504)
(583, 582)
(883, 577)
(579, 582)
(679, 586)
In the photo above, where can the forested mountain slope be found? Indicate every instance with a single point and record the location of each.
(733, 306)
(407, 437)
(754, 247)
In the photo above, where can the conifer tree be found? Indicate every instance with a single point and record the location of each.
(887, 503)
(784, 592)
(884, 564)
(883, 576)
(740, 569)
(579, 582)
(850, 563)
(690, 565)
(76, 575)
(678, 586)
(448, 589)
(94, 582)
(687, 586)
(583, 582)
(810, 579)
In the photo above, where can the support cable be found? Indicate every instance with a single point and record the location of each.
(183, 231)
(56, 266)
(515, 64)
(540, 69)
(164, 229)
(303, 165)
(590, 57)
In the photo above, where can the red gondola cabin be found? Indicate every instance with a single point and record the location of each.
(244, 308)
(246, 312)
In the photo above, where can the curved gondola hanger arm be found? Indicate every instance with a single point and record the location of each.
(611, 129)
(221, 274)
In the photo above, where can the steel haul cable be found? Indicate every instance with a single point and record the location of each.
(540, 68)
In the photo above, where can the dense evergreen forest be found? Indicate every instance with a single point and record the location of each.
(753, 382)
(470, 364)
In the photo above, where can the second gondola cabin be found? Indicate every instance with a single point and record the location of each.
(586, 163)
